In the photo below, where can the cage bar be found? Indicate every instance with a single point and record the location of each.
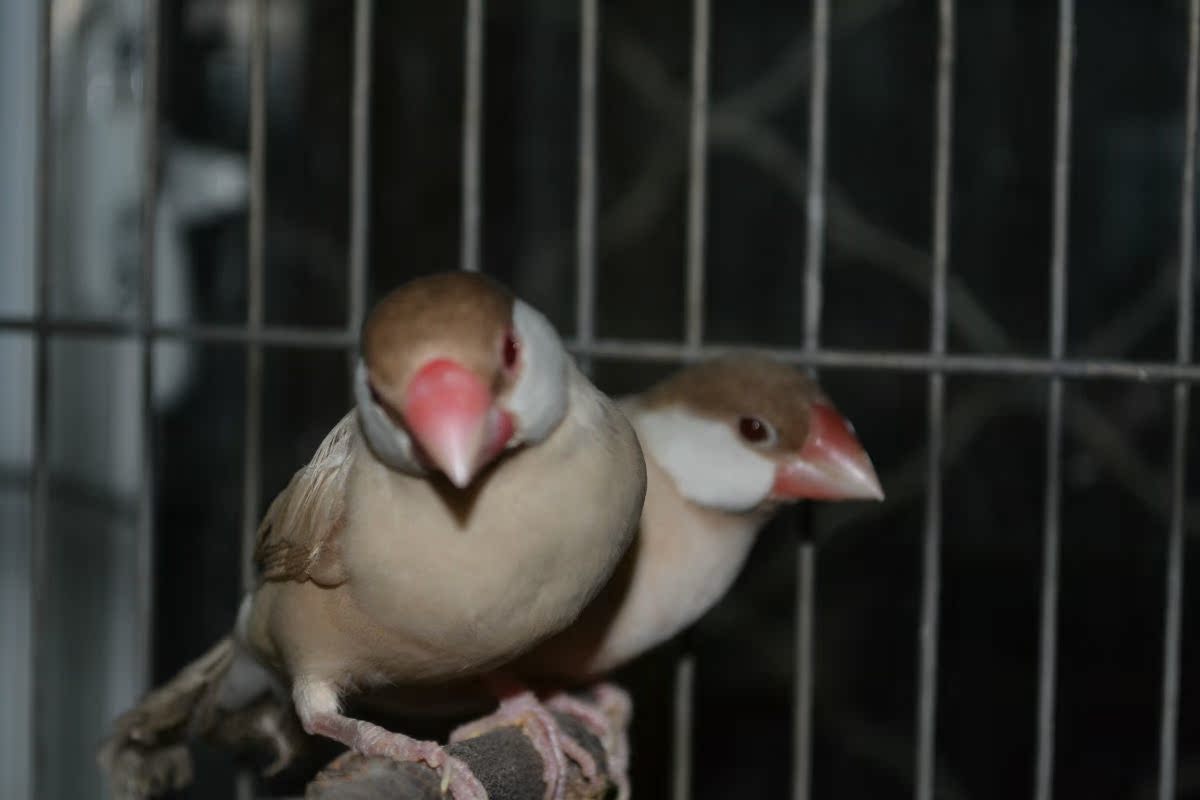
(1051, 537)
(685, 666)
(806, 555)
(802, 712)
(256, 233)
(931, 578)
(150, 157)
(585, 207)
(697, 174)
(641, 350)
(40, 502)
(1173, 614)
(682, 726)
(818, 106)
(255, 268)
(360, 172)
(472, 158)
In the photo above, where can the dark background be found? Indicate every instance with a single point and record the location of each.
(1127, 153)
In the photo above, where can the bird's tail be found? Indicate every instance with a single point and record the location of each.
(221, 696)
(147, 754)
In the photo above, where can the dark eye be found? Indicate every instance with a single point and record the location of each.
(511, 350)
(754, 430)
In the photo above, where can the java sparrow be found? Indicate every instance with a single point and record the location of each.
(473, 502)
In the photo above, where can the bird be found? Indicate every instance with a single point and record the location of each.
(470, 505)
(728, 443)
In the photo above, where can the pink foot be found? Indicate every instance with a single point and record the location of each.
(372, 740)
(457, 778)
(607, 717)
(544, 733)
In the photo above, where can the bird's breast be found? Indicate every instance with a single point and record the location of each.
(464, 580)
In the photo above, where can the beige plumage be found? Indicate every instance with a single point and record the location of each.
(473, 503)
(704, 505)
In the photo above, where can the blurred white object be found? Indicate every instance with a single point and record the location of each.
(95, 404)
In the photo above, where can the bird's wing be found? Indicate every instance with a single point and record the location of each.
(298, 537)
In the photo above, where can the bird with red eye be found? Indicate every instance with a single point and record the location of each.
(755, 431)
(511, 351)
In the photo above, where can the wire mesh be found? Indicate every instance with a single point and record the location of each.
(936, 362)
(1173, 622)
(1048, 646)
(806, 550)
(931, 577)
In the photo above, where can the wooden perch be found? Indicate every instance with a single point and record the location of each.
(503, 760)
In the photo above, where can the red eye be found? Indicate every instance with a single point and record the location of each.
(753, 429)
(511, 350)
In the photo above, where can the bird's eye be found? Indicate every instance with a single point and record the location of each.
(511, 350)
(755, 431)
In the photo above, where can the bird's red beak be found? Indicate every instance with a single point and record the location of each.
(832, 464)
(450, 412)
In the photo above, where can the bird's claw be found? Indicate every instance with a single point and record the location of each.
(607, 716)
(525, 711)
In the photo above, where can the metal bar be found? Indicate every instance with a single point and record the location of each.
(685, 667)
(251, 453)
(806, 581)
(641, 350)
(360, 171)
(39, 528)
(273, 336)
(472, 160)
(150, 163)
(255, 273)
(931, 579)
(681, 731)
(806, 555)
(697, 175)
(1051, 541)
(1173, 615)
(585, 225)
(815, 203)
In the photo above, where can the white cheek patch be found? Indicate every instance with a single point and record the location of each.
(707, 461)
(390, 443)
(539, 399)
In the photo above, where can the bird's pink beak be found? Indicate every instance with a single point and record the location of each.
(449, 410)
(832, 464)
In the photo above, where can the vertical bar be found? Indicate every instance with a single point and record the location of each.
(1173, 622)
(685, 667)
(814, 245)
(472, 161)
(931, 552)
(255, 268)
(39, 523)
(681, 765)
(1048, 659)
(150, 163)
(251, 453)
(360, 171)
(806, 582)
(585, 225)
(697, 174)
(818, 103)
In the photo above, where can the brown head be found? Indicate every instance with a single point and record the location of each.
(741, 432)
(454, 371)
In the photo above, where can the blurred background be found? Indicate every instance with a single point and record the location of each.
(1127, 146)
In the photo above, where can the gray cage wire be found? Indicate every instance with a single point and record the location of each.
(31, 766)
